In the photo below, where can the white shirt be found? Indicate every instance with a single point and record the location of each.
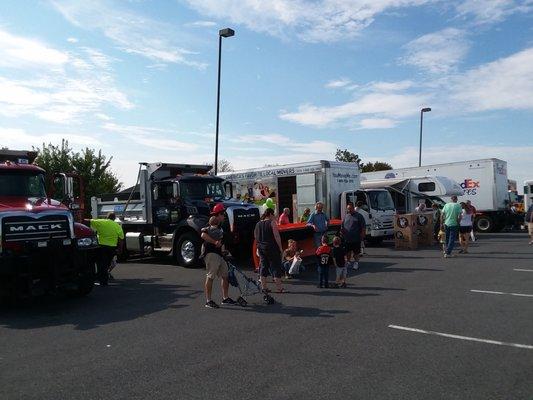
(466, 219)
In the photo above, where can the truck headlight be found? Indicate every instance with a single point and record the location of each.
(87, 242)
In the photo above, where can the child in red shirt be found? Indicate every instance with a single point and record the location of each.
(323, 254)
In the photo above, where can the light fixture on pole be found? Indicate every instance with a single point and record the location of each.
(227, 32)
(422, 111)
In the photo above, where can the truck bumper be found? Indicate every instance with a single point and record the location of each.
(37, 271)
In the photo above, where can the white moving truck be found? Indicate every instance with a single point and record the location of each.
(483, 182)
(300, 186)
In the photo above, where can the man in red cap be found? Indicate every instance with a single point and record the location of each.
(215, 264)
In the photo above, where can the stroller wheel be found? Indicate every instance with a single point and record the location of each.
(268, 299)
(241, 302)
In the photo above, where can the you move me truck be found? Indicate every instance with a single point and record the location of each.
(299, 186)
(484, 182)
(169, 206)
(42, 248)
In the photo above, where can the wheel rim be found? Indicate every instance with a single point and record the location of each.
(187, 251)
(483, 224)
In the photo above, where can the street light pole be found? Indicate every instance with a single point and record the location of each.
(227, 32)
(422, 111)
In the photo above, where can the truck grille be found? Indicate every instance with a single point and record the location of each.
(22, 229)
(246, 217)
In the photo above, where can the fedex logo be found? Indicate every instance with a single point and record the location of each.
(470, 187)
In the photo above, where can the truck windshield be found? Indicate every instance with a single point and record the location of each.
(381, 200)
(22, 184)
(202, 189)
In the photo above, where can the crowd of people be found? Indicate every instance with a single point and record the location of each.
(451, 223)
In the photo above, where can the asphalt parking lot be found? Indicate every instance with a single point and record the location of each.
(410, 325)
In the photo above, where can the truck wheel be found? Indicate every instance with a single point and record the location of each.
(85, 281)
(484, 224)
(187, 250)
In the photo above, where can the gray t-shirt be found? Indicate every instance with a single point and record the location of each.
(216, 233)
(352, 225)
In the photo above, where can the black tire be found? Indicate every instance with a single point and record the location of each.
(484, 224)
(187, 250)
(85, 280)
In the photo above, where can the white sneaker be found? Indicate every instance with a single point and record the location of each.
(355, 266)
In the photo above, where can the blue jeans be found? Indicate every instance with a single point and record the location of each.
(451, 237)
(317, 238)
(323, 275)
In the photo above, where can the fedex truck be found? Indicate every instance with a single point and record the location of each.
(483, 182)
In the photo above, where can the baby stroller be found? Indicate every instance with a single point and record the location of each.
(247, 286)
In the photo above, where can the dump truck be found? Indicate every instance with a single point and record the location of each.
(42, 248)
(165, 211)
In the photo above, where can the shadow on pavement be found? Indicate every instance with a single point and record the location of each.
(123, 300)
(292, 311)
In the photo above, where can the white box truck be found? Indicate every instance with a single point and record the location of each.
(300, 186)
(483, 182)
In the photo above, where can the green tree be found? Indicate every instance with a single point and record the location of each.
(346, 156)
(93, 168)
(377, 166)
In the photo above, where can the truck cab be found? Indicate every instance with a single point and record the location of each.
(42, 248)
(378, 211)
(171, 204)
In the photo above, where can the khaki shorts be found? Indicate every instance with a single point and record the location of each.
(530, 228)
(216, 266)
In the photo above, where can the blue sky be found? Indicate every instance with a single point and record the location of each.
(300, 78)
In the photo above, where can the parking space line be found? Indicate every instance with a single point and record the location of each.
(468, 338)
(523, 270)
(493, 292)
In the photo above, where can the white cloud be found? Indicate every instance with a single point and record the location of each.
(312, 21)
(506, 83)
(19, 52)
(377, 123)
(337, 83)
(491, 11)
(201, 24)
(437, 52)
(58, 86)
(276, 143)
(381, 105)
(72, 40)
(391, 86)
(17, 138)
(150, 137)
(131, 32)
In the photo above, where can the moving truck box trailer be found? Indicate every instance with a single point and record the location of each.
(300, 186)
(483, 182)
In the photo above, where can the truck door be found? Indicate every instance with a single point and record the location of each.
(305, 192)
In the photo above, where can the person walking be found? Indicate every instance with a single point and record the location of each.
(269, 249)
(215, 265)
(305, 215)
(465, 227)
(110, 237)
(318, 220)
(323, 254)
(436, 220)
(529, 222)
(473, 211)
(353, 231)
(284, 217)
(451, 217)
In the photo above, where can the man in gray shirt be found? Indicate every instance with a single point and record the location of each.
(353, 231)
